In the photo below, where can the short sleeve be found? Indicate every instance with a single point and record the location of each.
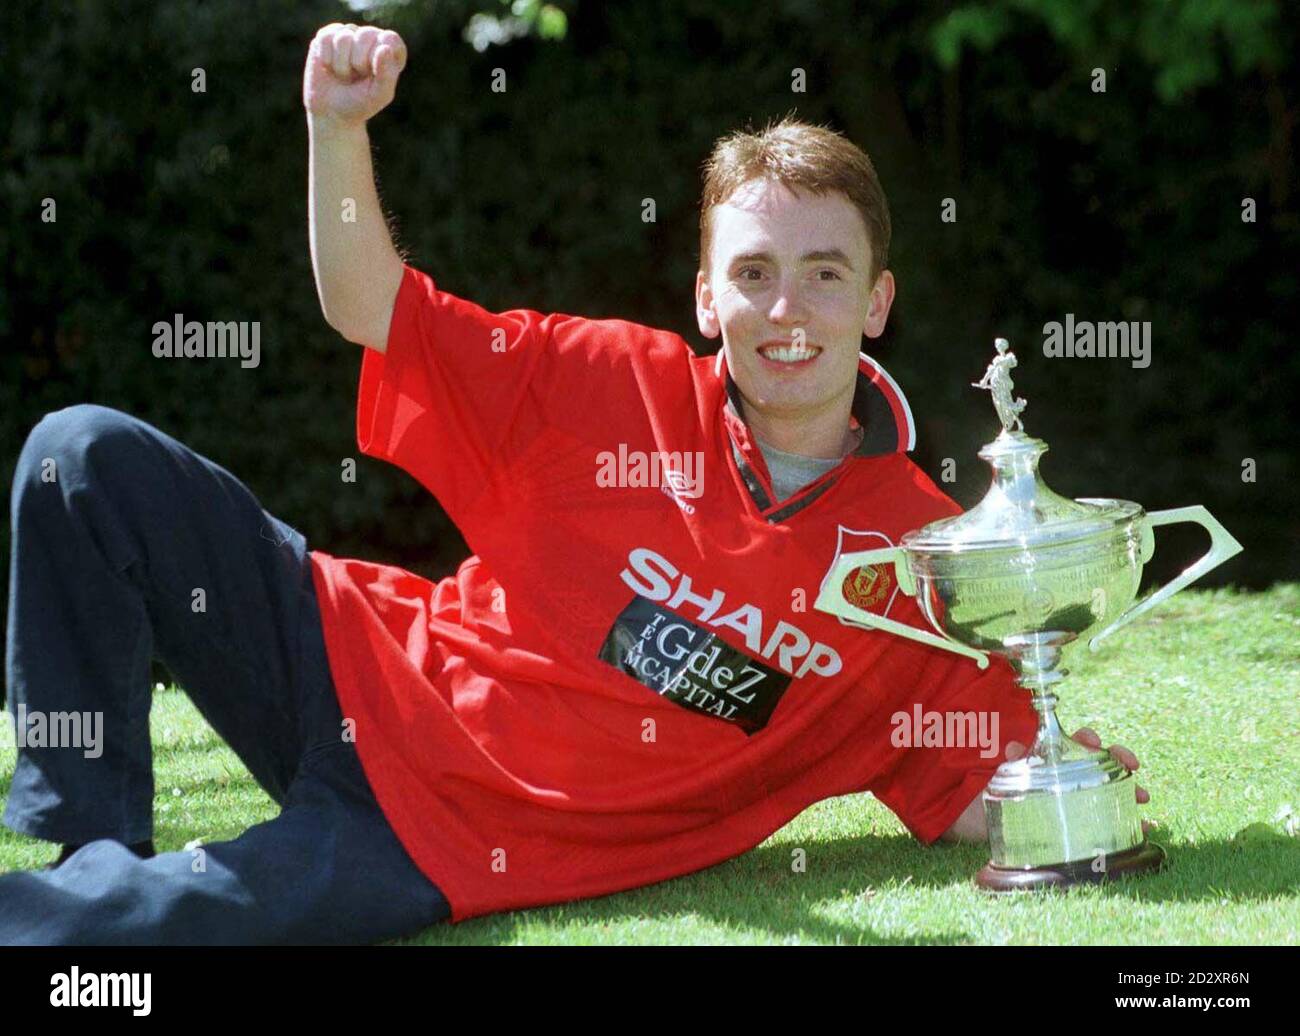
(929, 787)
(490, 411)
(460, 391)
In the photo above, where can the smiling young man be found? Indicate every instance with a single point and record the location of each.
(625, 683)
(650, 692)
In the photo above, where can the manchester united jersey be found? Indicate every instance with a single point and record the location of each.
(626, 681)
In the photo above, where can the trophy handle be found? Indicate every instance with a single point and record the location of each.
(831, 599)
(1222, 547)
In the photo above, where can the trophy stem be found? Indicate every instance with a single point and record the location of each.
(1037, 660)
(1050, 742)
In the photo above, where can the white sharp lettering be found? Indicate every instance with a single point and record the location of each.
(747, 620)
(822, 660)
(655, 578)
(798, 646)
(652, 567)
(707, 605)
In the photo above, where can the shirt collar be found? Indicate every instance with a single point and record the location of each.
(879, 407)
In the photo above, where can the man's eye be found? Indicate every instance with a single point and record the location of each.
(744, 273)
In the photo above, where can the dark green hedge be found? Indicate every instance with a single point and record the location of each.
(1122, 205)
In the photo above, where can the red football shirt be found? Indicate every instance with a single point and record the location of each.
(627, 681)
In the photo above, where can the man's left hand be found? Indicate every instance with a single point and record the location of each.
(1089, 738)
(970, 826)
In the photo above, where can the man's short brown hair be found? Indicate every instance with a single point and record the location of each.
(798, 155)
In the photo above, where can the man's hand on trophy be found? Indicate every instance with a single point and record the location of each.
(1089, 738)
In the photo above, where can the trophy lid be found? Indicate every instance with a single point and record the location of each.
(1019, 509)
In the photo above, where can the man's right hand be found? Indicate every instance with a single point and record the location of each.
(351, 73)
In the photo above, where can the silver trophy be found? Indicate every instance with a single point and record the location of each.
(1024, 574)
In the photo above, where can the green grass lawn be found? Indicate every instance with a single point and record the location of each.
(1206, 691)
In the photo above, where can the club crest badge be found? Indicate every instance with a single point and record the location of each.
(869, 587)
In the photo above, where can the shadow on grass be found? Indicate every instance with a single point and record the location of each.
(1275, 653)
(1193, 872)
(755, 893)
(1209, 869)
(778, 903)
(1214, 869)
(758, 894)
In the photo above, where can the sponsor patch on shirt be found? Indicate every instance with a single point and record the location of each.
(691, 666)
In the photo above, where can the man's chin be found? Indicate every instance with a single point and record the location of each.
(783, 401)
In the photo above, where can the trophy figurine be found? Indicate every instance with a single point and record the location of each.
(1025, 574)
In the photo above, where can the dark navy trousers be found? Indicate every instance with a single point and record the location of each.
(127, 545)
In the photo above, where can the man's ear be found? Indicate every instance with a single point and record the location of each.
(882, 297)
(705, 315)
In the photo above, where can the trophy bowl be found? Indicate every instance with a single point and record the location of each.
(1025, 574)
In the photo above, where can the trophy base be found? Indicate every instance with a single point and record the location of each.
(1141, 859)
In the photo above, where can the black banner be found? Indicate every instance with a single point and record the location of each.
(691, 666)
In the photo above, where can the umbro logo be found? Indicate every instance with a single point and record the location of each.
(677, 487)
(679, 475)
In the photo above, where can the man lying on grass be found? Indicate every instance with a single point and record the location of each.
(624, 684)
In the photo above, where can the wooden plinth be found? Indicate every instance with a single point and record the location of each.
(1141, 859)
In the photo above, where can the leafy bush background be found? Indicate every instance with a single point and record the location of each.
(1122, 205)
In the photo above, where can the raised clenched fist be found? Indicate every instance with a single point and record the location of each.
(351, 72)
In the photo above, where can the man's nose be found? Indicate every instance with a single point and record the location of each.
(788, 306)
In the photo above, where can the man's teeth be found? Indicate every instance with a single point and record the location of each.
(790, 353)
